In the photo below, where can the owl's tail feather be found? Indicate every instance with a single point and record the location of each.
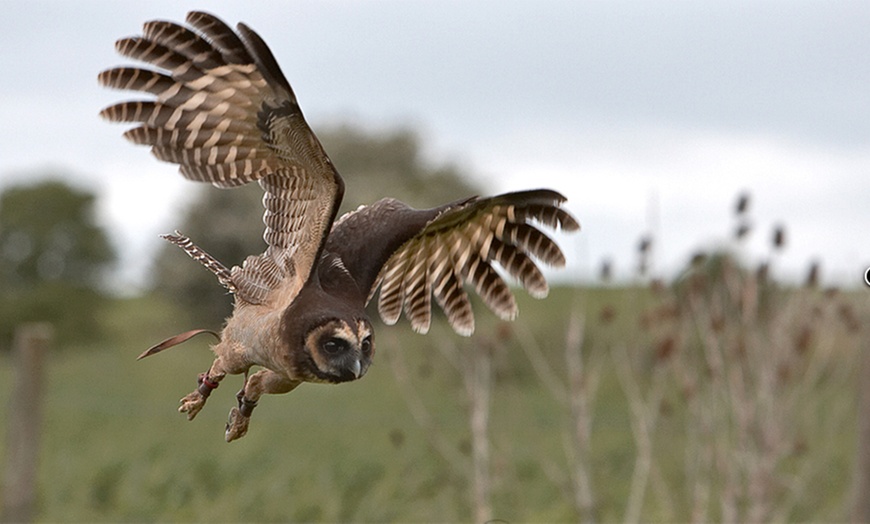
(174, 341)
(223, 274)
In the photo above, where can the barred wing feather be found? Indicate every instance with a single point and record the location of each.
(224, 112)
(460, 246)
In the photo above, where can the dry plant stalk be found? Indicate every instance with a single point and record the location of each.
(747, 358)
(579, 399)
(741, 360)
(422, 416)
(475, 367)
(477, 377)
(644, 415)
(575, 391)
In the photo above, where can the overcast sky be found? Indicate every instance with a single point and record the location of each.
(648, 116)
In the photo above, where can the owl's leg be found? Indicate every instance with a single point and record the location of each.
(206, 383)
(262, 382)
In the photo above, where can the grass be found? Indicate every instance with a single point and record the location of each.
(114, 449)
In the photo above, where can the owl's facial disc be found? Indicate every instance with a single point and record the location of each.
(340, 351)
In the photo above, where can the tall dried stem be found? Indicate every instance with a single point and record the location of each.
(575, 391)
(475, 367)
(644, 414)
(423, 417)
(581, 418)
(477, 376)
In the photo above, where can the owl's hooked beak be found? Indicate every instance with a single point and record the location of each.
(356, 368)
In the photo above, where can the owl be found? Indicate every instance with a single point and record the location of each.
(224, 112)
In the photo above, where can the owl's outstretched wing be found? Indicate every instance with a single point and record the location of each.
(413, 255)
(227, 115)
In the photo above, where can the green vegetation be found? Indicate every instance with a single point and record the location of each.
(723, 396)
(115, 450)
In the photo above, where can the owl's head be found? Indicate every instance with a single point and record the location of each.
(339, 350)
(327, 329)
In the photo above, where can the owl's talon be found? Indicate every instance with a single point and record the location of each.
(237, 425)
(195, 400)
(192, 404)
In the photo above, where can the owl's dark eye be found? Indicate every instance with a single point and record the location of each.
(335, 345)
(366, 346)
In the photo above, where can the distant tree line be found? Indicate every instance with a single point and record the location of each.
(55, 258)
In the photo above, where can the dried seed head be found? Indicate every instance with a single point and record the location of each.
(742, 230)
(802, 340)
(644, 245)
(644, 248)
(607, 314)
(779, 237)
(606, 273)
(762, 272)
(847, 315)
(665, 348)
(800, 447)
(813, 276)
(742, 203)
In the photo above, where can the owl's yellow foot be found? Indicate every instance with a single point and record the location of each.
(195, 400)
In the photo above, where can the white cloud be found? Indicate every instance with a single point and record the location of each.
(683, 185)
(138, 202)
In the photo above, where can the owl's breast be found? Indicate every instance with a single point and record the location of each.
(256, 331)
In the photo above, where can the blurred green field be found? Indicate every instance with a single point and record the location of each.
(114, 448)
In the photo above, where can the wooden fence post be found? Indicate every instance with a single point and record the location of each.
(24, 418)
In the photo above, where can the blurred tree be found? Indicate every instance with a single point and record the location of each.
(53, 259)
(391, 163)
(228, 224)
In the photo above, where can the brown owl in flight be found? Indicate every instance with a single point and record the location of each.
(226, 115)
